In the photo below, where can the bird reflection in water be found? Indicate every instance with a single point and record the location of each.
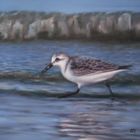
(88, 125)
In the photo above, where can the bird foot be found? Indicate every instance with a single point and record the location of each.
(69, 94)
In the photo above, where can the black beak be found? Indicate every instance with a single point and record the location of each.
(46, 68)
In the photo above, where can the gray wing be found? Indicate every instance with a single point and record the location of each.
(84, 65)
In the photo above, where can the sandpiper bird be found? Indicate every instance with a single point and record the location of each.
(84, 71)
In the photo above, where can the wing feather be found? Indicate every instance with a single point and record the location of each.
(84, 65)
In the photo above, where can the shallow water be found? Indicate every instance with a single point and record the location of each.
(29, 108)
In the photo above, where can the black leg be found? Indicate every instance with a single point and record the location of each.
(109, 88)
(70, 94)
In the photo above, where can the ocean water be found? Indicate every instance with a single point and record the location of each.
(30, 109)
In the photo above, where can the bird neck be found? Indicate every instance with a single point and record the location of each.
(64, 66)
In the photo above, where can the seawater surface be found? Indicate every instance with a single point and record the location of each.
(30, 109)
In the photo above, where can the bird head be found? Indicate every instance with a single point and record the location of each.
(59, 60)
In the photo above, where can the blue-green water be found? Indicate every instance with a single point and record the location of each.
(29, 108)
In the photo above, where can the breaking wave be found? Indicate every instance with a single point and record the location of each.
(31, 84)
(36, 77)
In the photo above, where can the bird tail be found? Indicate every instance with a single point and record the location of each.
(125, 67)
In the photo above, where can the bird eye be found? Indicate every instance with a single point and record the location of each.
(57, 59)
